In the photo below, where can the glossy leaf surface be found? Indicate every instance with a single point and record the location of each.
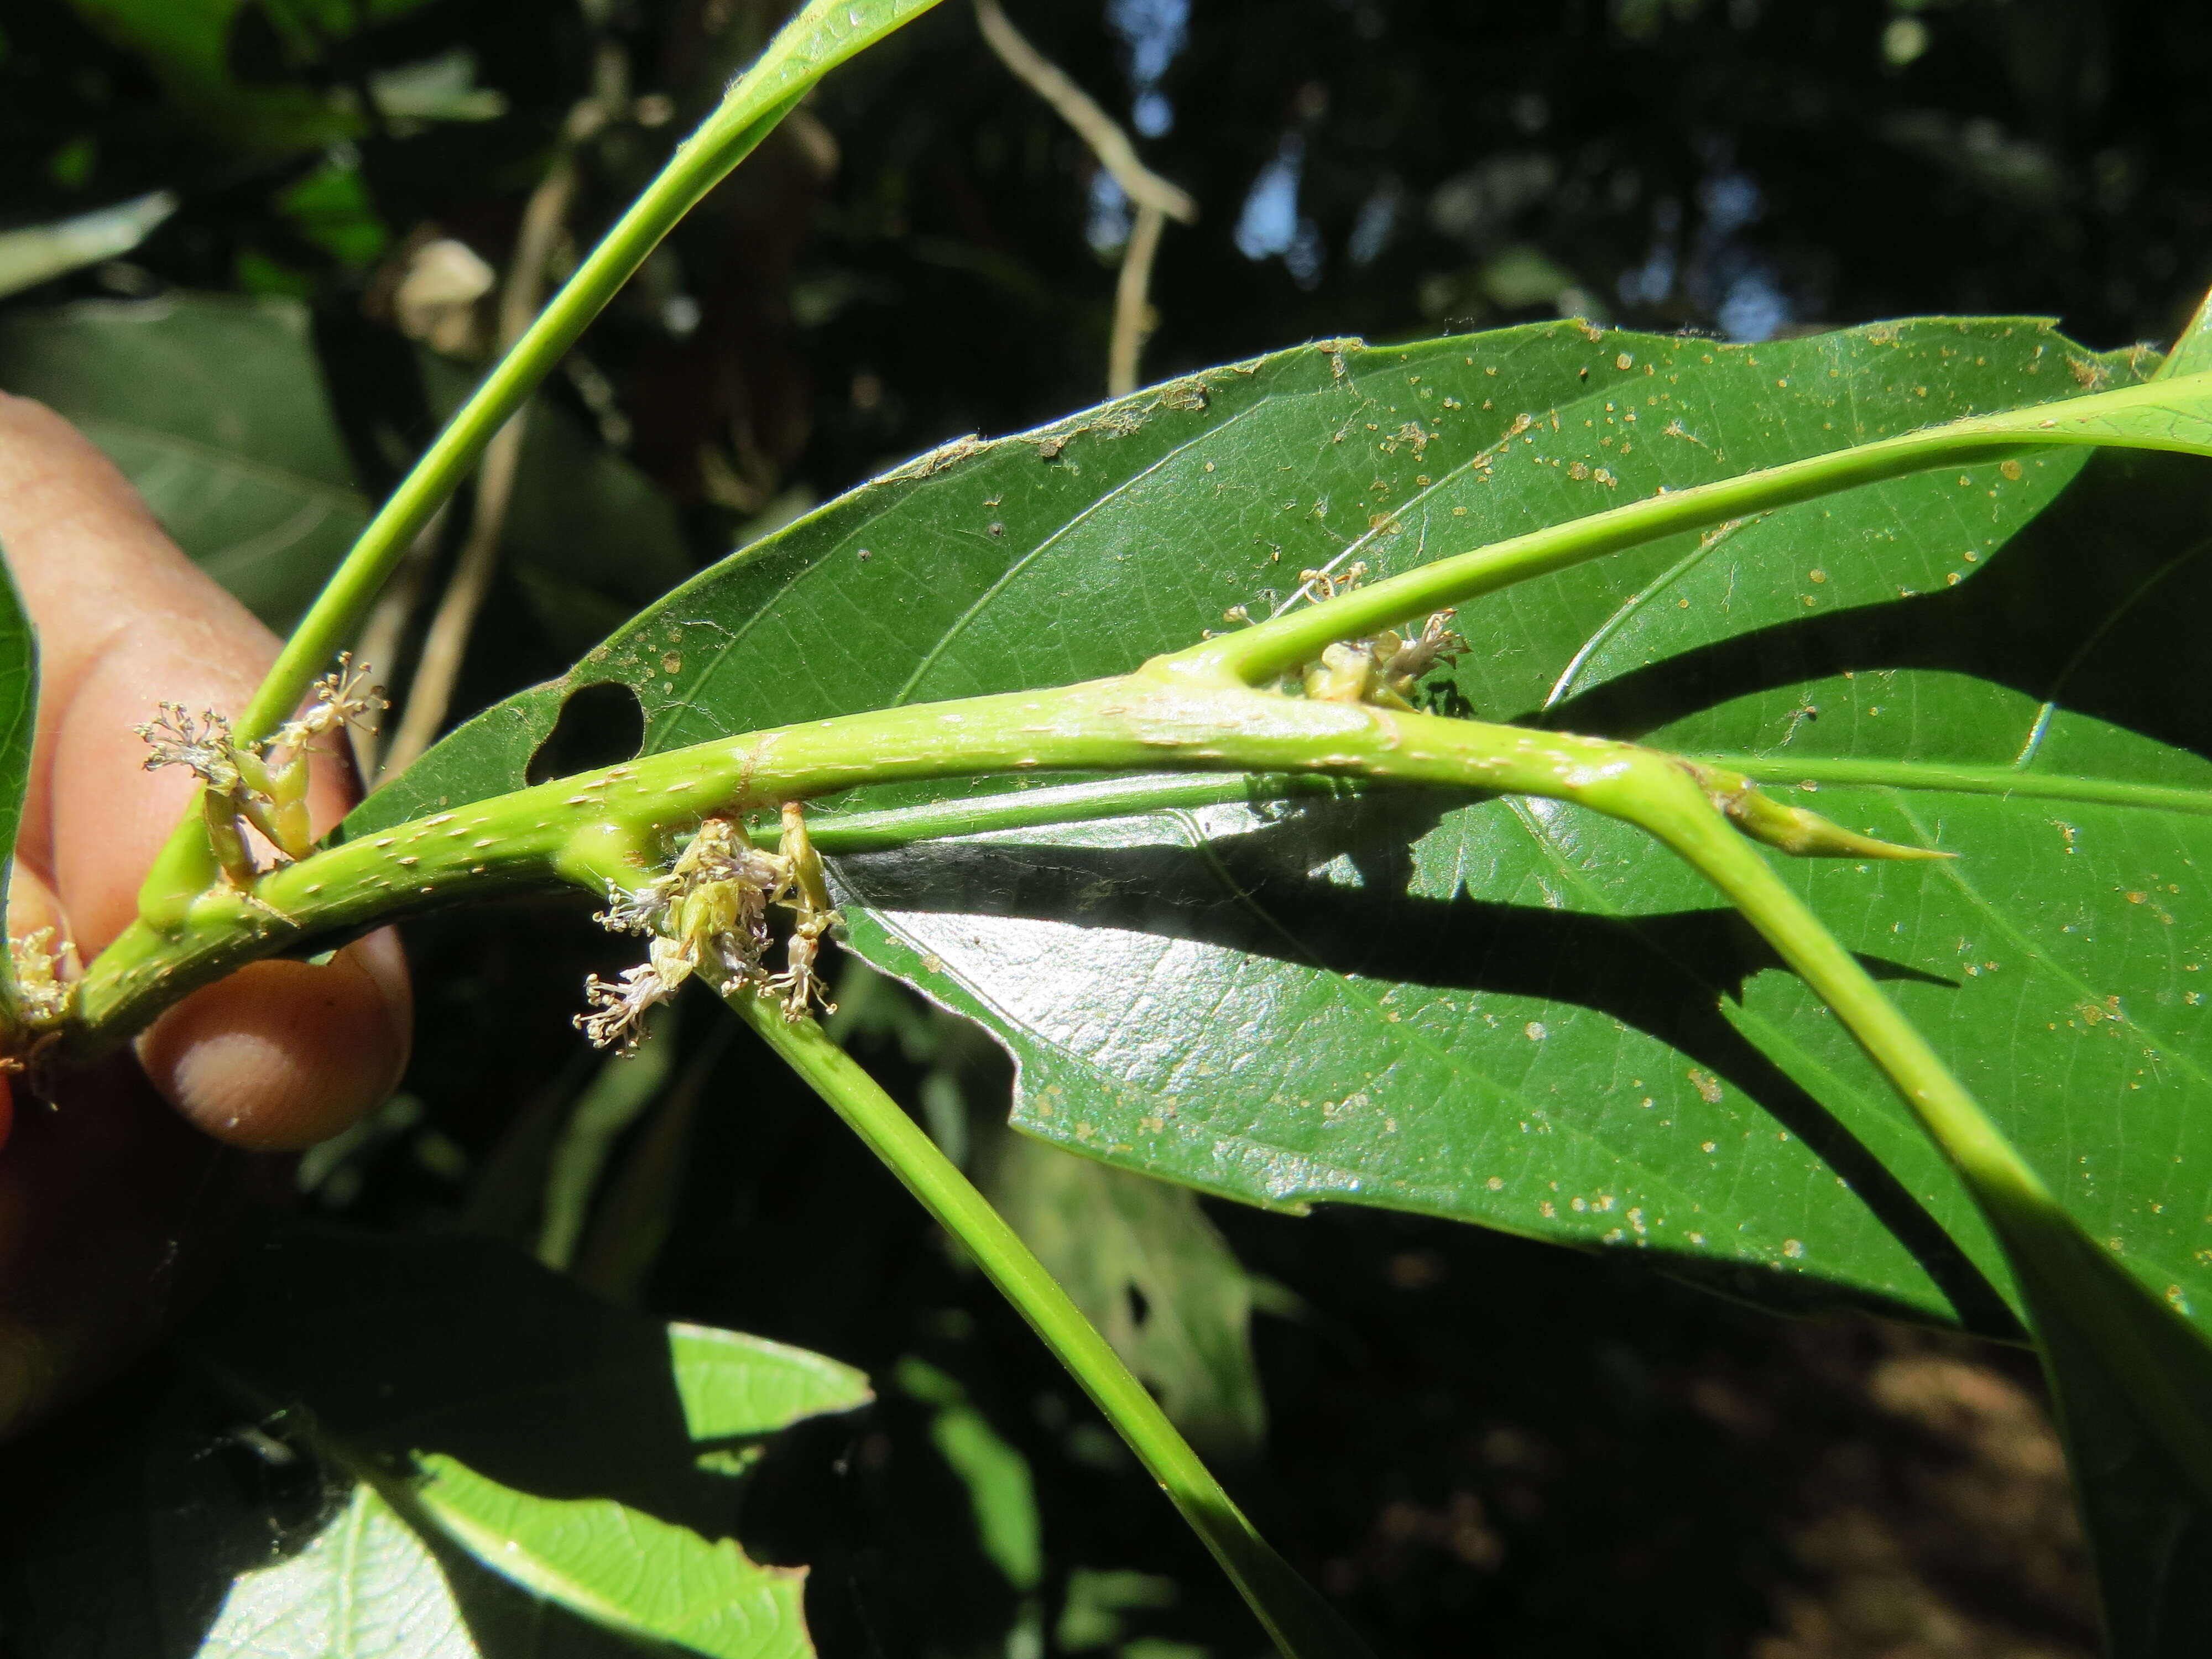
(1514, 1014)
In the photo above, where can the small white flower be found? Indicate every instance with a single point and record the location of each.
(619, 1007)
(639, 910)
(709, 914)
(344, 697)
(202, 746)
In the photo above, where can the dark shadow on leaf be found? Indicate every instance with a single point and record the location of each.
(2098, 606)
(1255, 893)
(464, 1346)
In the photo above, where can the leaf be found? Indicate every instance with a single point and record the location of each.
(588, 537)
(1408, 999)
(620, 1568)
(214, 408)
(557, 1441)
(19, 724)
(38, 253)
(2192, 351)
(2148, 1522)
(1988, 661)
(1153, 1273)
(366, 1586)
(623, 1088)
(186, 45)
(1001, 1491)
(238, 1520)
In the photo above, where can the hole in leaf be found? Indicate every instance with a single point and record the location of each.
(1140, 1307)
(600, 724)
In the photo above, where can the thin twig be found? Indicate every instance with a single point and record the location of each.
(1155, 199)
(1133, 316)
(431, 694)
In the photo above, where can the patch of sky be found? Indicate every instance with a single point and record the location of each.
(1107, 227)
(1271, 225)
(1739, 286)
(1754, 308)
(1648, 283)
(1153, 31)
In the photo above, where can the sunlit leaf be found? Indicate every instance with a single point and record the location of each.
(1512, 1011)
(1412, 1000)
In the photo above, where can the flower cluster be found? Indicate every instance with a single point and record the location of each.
(1384, 669)
(708, 916)
(250, 784)
(42, 996)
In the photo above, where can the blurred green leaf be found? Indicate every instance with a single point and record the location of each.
(1001, 1492)
(623, 1088)
(38, 253)
(214, 408)
(588, 537)
(1153, 1273)
(186, 45)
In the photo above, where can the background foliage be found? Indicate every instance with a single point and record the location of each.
(1461, 1431)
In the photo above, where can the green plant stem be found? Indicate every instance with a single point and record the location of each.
(1301, 1623)
(1123, 797)
(1268, 649)
(1967, 780)
(821, 36)
(611, 827)
(699, 162)
(2066, 1277)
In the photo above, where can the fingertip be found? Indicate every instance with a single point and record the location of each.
(282, 1054)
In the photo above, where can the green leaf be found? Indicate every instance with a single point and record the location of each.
(2139, 1474)
(1001, 1491)
(1509, 1012)
(19, 724)
(38, 253)
(1153, 1273)
(623, 1088)
(2192, 351)
(365, 1586)
(588, 537)
(620, 1568)
(1408, 1000)
(557, 1442)
(186, 45)
(214, 408)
